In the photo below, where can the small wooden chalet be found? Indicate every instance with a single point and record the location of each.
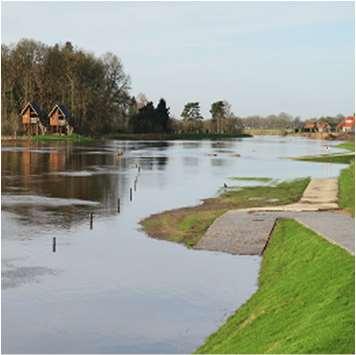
(59, 120)
(32, 118)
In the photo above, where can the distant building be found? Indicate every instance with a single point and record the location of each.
(347, 125)
(32, 118)
(59, 119)
(310, 126)
(323, 126)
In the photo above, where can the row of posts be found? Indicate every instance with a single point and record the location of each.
(91, 215)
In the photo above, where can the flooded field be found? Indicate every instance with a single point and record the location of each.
(112, 289)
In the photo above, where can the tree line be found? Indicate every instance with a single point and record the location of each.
(96, 90)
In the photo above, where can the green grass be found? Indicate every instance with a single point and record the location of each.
(329, 158)
(347, 145)
(77, 138)
(304, 304)
(347, 188)
(188, 225)
(243, 178)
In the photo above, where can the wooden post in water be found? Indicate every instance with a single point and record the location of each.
(118, 205)
(54, 245)
(91, 220)
(130, 193)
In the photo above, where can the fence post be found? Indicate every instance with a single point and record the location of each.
(91, 220)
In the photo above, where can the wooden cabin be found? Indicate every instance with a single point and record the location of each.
(31, 119)
(59, 118)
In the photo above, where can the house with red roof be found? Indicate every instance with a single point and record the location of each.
(347, 125)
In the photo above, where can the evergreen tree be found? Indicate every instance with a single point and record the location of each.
(162, 114)
(191, 111)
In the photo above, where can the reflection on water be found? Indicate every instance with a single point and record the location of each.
(112, 289)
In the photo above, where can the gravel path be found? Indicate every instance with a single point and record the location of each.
(246, 232)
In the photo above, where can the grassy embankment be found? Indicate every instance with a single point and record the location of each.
(350, 145)
(330, 158)
(347, 188)
(174, 136)
(304, 304)
(347, 182)
(187, 225)
(75, 138)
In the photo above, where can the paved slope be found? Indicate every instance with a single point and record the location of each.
(247, 231)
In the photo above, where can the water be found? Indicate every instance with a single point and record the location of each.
(112, 289)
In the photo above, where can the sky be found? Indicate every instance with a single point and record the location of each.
(262, 57)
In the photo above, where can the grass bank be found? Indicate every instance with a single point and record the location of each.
(75, 138)
(347, 189)
(347, 145)
(329, 158)
(304, 304)
(175, 136)
(188, 225)
(343, 158)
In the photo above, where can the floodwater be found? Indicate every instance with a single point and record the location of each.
(112, 289)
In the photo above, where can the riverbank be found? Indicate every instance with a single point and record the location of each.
(304, 304)
(75, 138)
(339, 158)
(187, 225)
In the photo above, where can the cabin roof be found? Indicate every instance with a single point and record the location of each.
(35, 107)
(62, 108)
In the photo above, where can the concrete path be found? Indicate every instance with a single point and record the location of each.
(320, 195)
(239, 232)
(246, 232)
